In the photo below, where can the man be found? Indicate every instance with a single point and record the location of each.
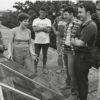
(69, 13)
(96, 18)
(42, 27)
(85, 41)
(58, 28)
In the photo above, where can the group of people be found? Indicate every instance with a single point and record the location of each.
(80, 37)
(22, 49)
(75, 41)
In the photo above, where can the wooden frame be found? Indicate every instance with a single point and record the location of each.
(15, 90)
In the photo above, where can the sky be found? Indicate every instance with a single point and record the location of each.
(8, 4)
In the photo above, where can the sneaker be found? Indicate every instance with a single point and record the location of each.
(68, 83)
(65, 87)
(45, 71)
(72, 98)
(58, 71)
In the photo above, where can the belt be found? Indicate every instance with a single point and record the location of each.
(67, 47)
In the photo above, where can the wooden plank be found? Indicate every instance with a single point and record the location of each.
(17, 91)
(1, 94)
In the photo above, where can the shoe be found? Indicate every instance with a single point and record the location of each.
(72, 98)
(36, 71)
(65, 87)
(45, 71)
(58, 71)
(68, 83)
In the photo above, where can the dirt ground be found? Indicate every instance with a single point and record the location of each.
(56, 79)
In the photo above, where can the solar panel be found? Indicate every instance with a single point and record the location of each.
(16, 76)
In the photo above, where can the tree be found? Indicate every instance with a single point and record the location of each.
(9, 19)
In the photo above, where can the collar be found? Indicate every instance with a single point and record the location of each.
(87, 23)
(41, 18)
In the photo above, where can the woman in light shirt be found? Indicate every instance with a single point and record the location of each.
(20, 45)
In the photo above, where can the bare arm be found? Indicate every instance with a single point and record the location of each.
(47, 29)
(77, 42)
(54, 29)
(87, 34)
(30, 44)
(10, 49)
(2, 46)
(39, 29)
(32, 50)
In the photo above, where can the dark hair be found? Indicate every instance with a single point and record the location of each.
(88, 7)
(62, 6)
(97, 2)
(43, 8)
(22, 16)
(70, 9)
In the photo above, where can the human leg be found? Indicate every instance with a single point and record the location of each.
(71, 71)
(83, 62)
(37, 51)
(59, 59)
(67, 85)
(45, 50)
(18, 55)
(28, 61)
(67, 72)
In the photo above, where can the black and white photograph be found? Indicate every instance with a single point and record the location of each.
(49, 49)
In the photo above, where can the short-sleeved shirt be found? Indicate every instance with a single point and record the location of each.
(60, 24)
(87, 33)
(69, 29)
(68, 35)
(42, 37)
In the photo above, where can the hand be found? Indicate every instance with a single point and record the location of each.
(72, 41)
(34, 56)
(10, 57)
(42, 28)
(57, 33)
(62, 41)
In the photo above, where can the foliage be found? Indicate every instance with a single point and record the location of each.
(9, 19)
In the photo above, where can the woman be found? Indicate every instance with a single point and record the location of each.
(20, 45)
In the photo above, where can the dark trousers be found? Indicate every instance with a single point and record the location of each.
(44, 48)
(83, 62)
